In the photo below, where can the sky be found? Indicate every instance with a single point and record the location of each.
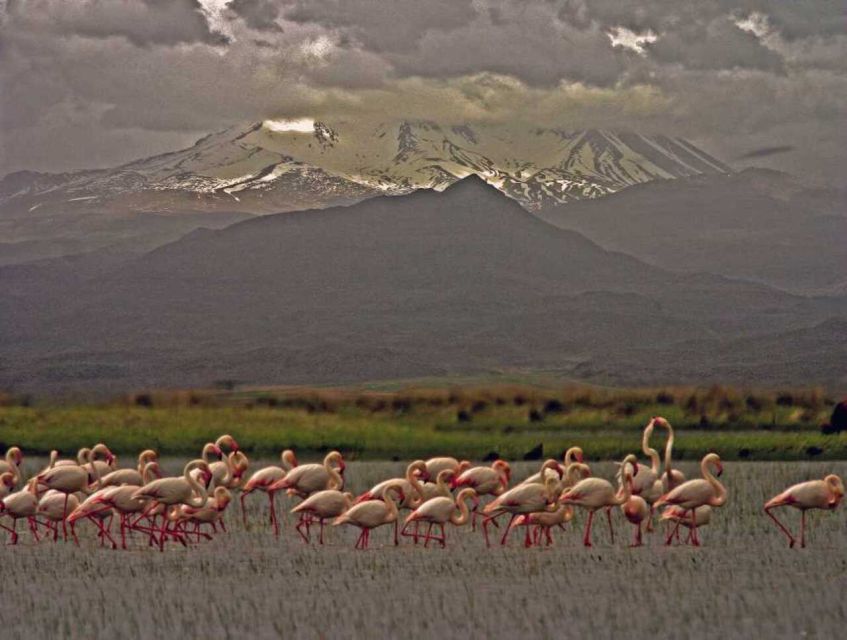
(93, 83)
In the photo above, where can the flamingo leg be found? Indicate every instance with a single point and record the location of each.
(802, 528)
(300, 530)
(609, 519)
(586, 538)
(274, 519)
(508, 529)
(223, 525)
(474, 512)
(397, 531)
(527, 539)
(674, 531)
(636, 541)
(321, 537)
(791, 540)
(243, 509)
(443, 536)
(548, 533)
(650, 520)
(695, 536)
(360, 540)
(427, 536)
(64, 523)
(14, 536)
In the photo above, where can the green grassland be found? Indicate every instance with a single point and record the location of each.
(472, 422)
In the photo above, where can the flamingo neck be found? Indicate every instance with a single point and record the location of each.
(720, 491)
(463, 516)
(199, 494)
(98, 482)
(649, 451)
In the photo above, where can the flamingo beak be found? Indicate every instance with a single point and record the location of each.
(579, 457)
(218, 452)
(720, 470)
(234, 445)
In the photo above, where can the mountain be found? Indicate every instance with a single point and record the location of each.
(278, 166)
(758, 224)
(429, 283)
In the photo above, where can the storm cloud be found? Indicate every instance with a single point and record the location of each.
(92, 83)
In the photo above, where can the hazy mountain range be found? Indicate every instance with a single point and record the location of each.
(278, 166)
(429, 283)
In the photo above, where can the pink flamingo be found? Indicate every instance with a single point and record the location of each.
(702, 517)
(329, 503)
(175, 491)
(696, 493)
(53, 509)
(21, 504)
(436, 465)
(593, 494)
(574, 455)
(524, 498)
(440, 510)
(130, 476)
(7, 484)
(68, 479)
(492, 481)
(122, 499)
(211, 513)
(11, 464)
(411, 491)
(635, 509)
(372, 513)
(263, 479)
(814, 494)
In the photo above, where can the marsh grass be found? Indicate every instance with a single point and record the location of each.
(471, 422)
(743, 583)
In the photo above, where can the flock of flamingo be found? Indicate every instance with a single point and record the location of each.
(435, 492)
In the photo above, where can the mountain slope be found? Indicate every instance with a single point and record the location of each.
(278, 166)
(424, 284)
(758, 224)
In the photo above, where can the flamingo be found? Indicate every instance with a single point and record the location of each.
(702, 517)
(441, 509)
(305, 479)
(544, 521)
(329, 503)
(175, 491)
(7, 484)
(524, 498)
(428, 491)
(436, 465)
(11, 464)
(635, 509)
(813, 494)
(54, 510)
(68, 479)
(597, 493)
(696, 493)
(130, 476)
(670, 477)
(492, 480)
(372, 513)
(95, 511)
(411, 492)
(211, 513)
(572, 456)
(122, 500)
(263, 479)
(21, 504)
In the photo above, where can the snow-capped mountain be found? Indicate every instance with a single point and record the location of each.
(275, 166)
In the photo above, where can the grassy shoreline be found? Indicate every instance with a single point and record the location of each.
(471, 422)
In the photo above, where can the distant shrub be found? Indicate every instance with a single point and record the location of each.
(785, 399)
(491, 456)
(665, 398)
(554, 406)
(536, 453)
(535, 415)
(839, 416)
(143, 400)
(479, 406)
(463, 416)
(744, 453)
(813, 451)
(754, 403)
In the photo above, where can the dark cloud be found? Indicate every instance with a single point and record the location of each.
(98, 81)
(142, 22)
(381, 25)
(260, 15)
(765, 151)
